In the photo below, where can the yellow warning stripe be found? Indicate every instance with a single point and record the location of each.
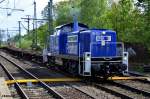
(128, 78)
(44, 80)
(69, 79)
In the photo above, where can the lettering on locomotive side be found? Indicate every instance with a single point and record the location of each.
(103, 38)
(73, 38)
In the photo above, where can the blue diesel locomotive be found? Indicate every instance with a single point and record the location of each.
(87, 52)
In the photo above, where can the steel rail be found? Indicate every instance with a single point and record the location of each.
(80, 90)
(110, 91)
(77, 88)
(127, 87)
(22, 94)
(145, 93)
(2, 1)
(139, 75)
(50, 90)
(122, 96)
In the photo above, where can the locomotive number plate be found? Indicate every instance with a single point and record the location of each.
(103, 38)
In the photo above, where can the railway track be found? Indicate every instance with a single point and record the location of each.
(132, 89)
(91, 90)
(24, 92)
(131, 94)
(140, 86)
(137, 84)
(70, 92)
(3, 74)
(39, 92)
(112, 90)
(76, 90)
(97, 92)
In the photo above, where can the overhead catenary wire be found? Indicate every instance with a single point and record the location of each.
(2, 1)
(18, 3)
(5, 9)
(4, 4)
(14, 4)
(24, 27)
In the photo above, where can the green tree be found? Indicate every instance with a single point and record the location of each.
(62, 13)
(92, 12)
(144, 6)
(132, 22)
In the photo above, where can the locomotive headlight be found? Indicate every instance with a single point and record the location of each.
(125, 58)
(103, 32)
(49, 54)
(88, 58)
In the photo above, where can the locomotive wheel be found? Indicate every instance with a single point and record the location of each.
(72, 68)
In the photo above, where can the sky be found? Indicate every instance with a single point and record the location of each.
(11, 22)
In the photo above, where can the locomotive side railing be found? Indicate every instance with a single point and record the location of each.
(84, 63)
(120, 48)
(79, 60)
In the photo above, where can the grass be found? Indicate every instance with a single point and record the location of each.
(138, 69)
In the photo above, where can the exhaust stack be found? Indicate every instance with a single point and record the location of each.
(75, 23)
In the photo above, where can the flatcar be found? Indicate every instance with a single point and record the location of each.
(87, 52)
